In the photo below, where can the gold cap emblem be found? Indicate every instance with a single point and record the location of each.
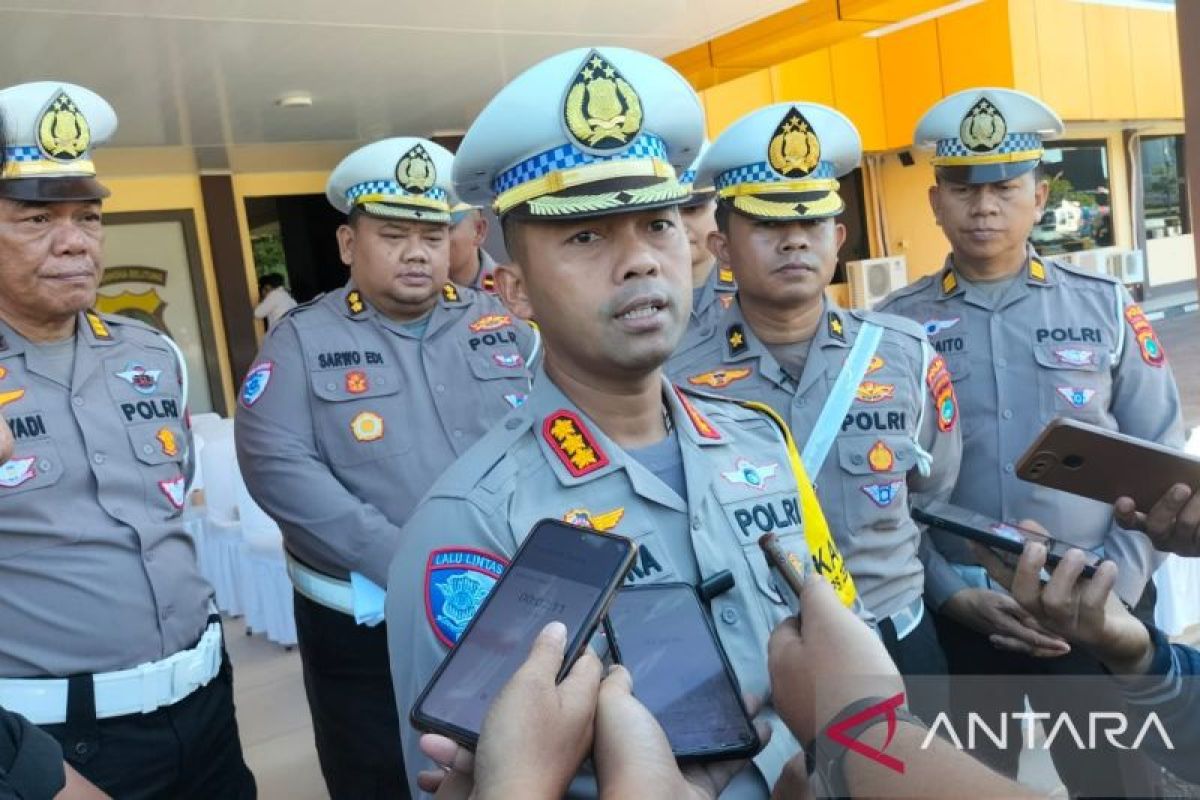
(795, 150)
(415, 172)
(983, 127)
(602, 112)
(63, 133)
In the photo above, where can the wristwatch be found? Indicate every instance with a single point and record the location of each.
(829, 754)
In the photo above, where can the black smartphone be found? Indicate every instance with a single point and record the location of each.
(664, 637)
(1008, 539)
(560, 573)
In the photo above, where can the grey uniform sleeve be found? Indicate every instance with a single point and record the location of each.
(414, 649)
(945, 449)
(278, 455)
(31, 760)
(1145, 403)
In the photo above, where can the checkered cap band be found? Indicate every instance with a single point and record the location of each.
(23, 154)
(688, 177)
(1012, 143)
(762, 173)
(390, 188)
(567, 156)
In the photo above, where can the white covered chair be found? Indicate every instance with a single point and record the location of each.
(222, 559)
(266, 590)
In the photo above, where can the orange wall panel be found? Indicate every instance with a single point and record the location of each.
(974, 47)
(1023, 38)
(808, 78)
(858, 90)
(728, 101)
(1110, 62)
(1062, 56)
(912, 78)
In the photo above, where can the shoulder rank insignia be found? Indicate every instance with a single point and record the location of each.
(490, 322)
(457, 580)
(415, 172)
(949, 283)
(872, 392)
(699, 422)
(718, 378)
(599, 522)
(794, 150)
(488, 283)
(1037, 270)
(449, 292)
(836, 329)
(735, 336)
(63, 132)
(983, 127)
(354, 302)
(98, 327)
(601, 111)
(1151, 348)
(941, 388)
(573, 443)
(725, 278)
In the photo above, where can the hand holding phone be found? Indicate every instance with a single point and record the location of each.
(560, 573)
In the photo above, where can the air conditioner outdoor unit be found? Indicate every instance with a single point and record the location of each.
(873, 279)
(1127, 266)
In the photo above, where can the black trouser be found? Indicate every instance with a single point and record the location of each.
(349, 689)
(1102, 772)
(919, 654)
(187, 750)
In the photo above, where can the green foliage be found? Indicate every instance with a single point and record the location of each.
(268, 255)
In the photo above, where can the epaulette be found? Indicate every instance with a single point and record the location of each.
(893, 322)
(296, 309)
(472, 470)
(917, 286)
(726, 407)
(1082, 272)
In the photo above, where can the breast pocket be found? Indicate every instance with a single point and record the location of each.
(501, 377)
(874, 473)
(1073, 381)
(357, 417)
(25, 505)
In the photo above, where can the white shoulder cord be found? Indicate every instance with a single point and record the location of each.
(1119, 351)
(924, 457)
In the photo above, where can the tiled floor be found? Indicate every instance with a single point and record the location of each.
(273, 718)
(273, 714)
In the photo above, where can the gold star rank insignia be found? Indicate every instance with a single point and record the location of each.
(450, 292)
(949, 283)
(736, 338)
(354, 302)
(1037, 270)
(836, 330)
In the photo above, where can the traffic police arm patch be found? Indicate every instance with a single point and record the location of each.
(256, 383)
(457, 581)
(941, 388)
(1148, 344)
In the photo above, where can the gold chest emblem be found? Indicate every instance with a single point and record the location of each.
(795, 150)
(63, 133)
(983, 128)
(601, 111)
(415, 171)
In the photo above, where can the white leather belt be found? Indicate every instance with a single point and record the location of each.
(138, 690)
(908, 618)
(319, 587)
(973, 575)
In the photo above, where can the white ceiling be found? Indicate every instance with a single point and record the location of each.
(205, 73)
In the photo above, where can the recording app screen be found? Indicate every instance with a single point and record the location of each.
(678, 674)
(532, 593)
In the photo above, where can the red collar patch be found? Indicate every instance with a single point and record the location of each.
(699, 422)
(573, 443)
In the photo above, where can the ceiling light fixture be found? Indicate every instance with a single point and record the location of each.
(919, 18)
(294, 100)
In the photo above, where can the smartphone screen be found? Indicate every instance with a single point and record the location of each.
(1009, 539)
(664, 638)
(561, 573)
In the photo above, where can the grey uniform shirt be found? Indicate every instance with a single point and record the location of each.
(865, 481)
(1059, 343)
(347, 417)
(549, 460)
(709, 301)
(97, 571)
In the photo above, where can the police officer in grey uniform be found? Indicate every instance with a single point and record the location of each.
(356, 403)
(588, 200)
(470, 264)
(877, 433)
(1027, 339)
(712, 280)
(108, 642)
